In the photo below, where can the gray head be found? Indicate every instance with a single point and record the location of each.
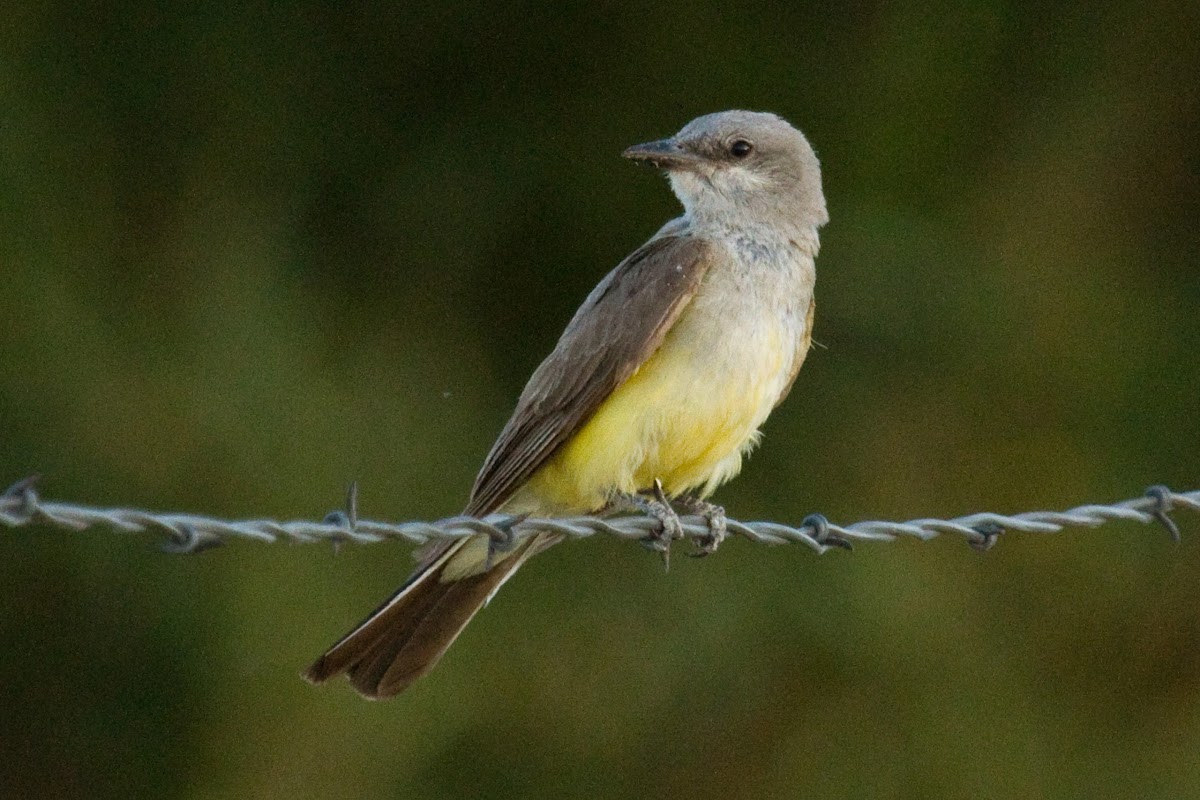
(741, 163)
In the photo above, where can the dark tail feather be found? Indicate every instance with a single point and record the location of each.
(404, 638)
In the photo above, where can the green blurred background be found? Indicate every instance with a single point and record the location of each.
(251, 252)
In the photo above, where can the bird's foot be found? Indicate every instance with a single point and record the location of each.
(669, 527)
(717, 529)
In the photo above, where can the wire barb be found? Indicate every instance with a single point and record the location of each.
(20, 506)
(1162, 510)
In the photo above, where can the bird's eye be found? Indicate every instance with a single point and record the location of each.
(741, 148)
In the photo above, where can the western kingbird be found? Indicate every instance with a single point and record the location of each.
(659, 383)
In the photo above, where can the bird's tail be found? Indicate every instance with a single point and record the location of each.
(404, 638)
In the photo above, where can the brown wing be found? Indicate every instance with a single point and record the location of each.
(622, 322)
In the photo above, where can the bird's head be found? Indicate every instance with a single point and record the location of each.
(736, 164)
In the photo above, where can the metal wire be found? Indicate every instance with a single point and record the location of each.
(20, 505)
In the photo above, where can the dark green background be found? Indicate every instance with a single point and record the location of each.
(250, 253)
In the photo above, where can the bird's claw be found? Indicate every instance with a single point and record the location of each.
(669, 527)
(717, 527)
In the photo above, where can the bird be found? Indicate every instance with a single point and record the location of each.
(652, 396)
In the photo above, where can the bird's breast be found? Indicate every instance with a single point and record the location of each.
(694, 407)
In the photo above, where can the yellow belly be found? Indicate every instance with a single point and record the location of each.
(686, 418)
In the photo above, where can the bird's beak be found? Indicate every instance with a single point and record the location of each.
(664, 154)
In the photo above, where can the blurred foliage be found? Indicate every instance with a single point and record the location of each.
(251, 252)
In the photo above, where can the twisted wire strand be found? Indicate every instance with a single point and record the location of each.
(20, 505)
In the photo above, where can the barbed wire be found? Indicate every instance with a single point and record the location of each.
(20, 505)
